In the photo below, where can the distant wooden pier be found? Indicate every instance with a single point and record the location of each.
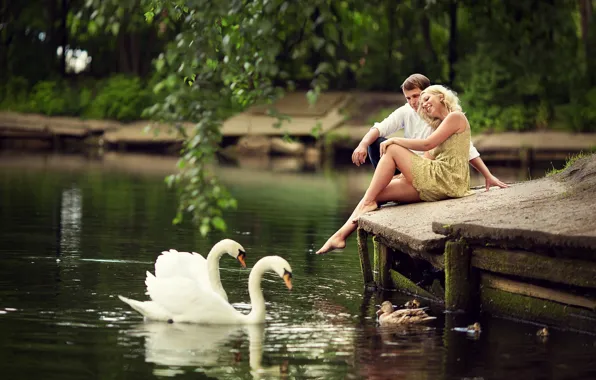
(527, 252)
(340, 119)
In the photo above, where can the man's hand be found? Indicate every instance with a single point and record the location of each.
(491, 180)
(359, 155)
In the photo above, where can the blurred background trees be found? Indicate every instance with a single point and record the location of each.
(518, 65)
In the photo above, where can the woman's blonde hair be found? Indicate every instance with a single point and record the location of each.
(450, 100)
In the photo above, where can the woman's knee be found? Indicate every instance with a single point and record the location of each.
(396, 150)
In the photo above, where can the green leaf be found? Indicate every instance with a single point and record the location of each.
(115, 28)
(316, 130)
(149, 16)
(330, 49)
(159, 64)
(312, 97)
(218, 223)
(204, 229)
(92, 27)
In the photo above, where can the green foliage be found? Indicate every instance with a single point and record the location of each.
(120, 98)
(508, 80)
(13, 95)
(54, 98)
(580, 114)
(227, 54)
(570, 161)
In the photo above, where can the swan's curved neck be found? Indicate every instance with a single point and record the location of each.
(217, 251)
(257, 301)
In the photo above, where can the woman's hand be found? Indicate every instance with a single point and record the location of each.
(386, 144)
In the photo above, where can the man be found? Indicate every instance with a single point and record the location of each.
(414, 127)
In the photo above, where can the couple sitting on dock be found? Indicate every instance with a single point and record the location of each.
(431, 161)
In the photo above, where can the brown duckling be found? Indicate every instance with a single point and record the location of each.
(471, 329)
(387, 316)
(413, 304)
(475, 328)
(543, 333)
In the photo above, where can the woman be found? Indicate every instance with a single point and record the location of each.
(442, 173)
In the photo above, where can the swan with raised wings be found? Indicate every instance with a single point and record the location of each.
(180, 299)
(172, 263)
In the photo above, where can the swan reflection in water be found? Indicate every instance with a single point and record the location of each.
(210, 347)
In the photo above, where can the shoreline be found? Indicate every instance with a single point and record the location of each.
(35, 132)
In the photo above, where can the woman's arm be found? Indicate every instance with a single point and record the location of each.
(452, 124)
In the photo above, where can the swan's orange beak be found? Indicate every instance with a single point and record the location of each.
(380, 311)
(288, 280)
(241, 257)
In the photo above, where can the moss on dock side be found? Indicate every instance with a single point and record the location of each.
(402, 283)
(498, 302)
(458, 285)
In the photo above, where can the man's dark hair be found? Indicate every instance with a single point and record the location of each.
(415, 81)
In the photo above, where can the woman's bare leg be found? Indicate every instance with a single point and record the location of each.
(382, 188)
(395, 156)
(398, 190)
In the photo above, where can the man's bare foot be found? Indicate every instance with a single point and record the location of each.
(332, 244)
(363, 208)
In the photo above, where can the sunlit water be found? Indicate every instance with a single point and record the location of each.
(77, 232)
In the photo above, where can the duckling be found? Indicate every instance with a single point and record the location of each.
(471, 329)
(401, 317)
(413, 304)
(543, 333)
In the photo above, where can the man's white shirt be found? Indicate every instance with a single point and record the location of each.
(414, 127)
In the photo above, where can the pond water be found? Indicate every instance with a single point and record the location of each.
(77, 232)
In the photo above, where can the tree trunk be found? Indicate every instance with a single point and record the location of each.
(145, 65)
(425, 25)
(51, 42)
(452, 40)
(586, 11)
(5, 41)
(391, 16)
(123, 61)
(135, 54)
(64, 35)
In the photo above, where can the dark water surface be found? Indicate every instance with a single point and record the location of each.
(75, 233)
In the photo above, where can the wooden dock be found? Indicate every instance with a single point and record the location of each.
(526, 252)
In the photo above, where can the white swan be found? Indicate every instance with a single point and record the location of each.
(172, 263)
(180, 299)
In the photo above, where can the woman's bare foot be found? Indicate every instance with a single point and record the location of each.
(332, 244)
(363, 208)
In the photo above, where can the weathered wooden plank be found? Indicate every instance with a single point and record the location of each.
(531, 290)
(511, 305)
(435, 259)
(402, 283)
(531, 265)
(458, 287)
(367, 276)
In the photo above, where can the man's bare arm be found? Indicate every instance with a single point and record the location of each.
(361, 151)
